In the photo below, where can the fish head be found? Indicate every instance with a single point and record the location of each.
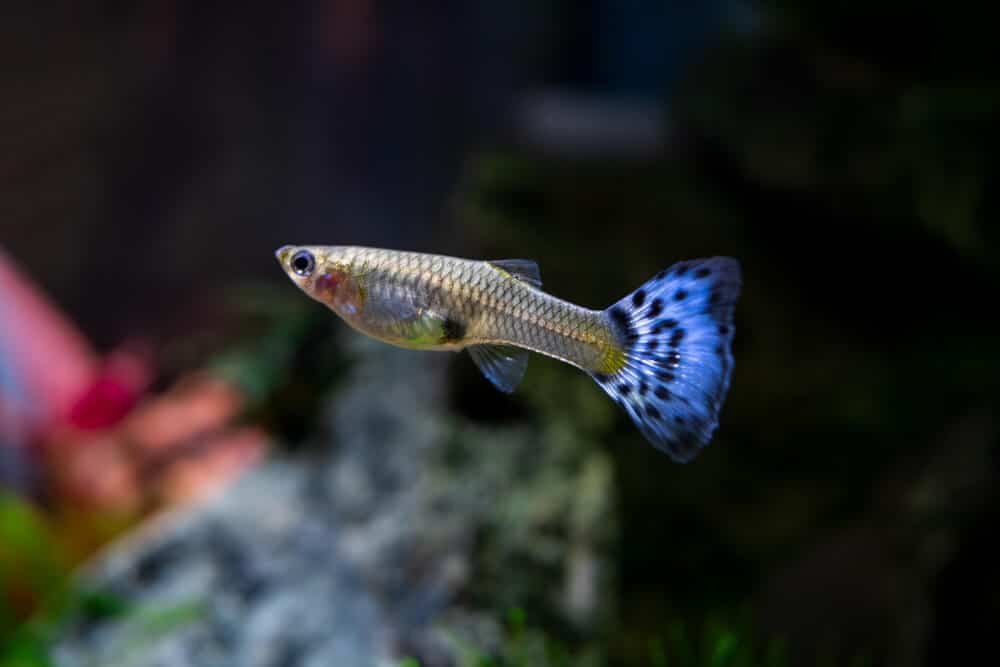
(325, 274)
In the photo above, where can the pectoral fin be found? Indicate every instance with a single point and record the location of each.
(503, 365)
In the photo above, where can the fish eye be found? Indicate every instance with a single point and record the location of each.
(303, 263)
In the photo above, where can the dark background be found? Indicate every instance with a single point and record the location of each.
(155, 153)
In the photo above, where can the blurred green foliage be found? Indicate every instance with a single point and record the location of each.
(37, 594)
(524, 646)
(144, 626)
(31, 559)
(722, 640)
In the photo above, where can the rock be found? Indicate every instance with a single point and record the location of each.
(405, 527)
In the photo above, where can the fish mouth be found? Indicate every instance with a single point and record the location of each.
(282, 253)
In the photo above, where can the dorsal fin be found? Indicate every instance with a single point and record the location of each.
(503, 365)
(522, 269)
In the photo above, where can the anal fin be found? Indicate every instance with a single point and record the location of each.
(503, 365)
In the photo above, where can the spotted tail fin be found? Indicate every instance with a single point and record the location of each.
(677, 330)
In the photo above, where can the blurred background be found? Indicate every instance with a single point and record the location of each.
(195, 460)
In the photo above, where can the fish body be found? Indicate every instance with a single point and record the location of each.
(663, 352)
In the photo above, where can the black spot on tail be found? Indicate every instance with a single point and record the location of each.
(623, 323)
(668, 323)
(676, 337)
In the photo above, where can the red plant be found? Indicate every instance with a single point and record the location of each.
(101, 441)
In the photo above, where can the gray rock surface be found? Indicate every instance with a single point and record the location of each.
(405, 528)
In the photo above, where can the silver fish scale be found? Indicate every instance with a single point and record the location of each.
(491, 305)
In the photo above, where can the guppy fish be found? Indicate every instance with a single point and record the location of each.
(663, 352)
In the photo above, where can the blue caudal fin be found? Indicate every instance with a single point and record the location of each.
(677, 330)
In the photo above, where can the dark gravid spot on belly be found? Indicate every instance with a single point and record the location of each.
(452, 331)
